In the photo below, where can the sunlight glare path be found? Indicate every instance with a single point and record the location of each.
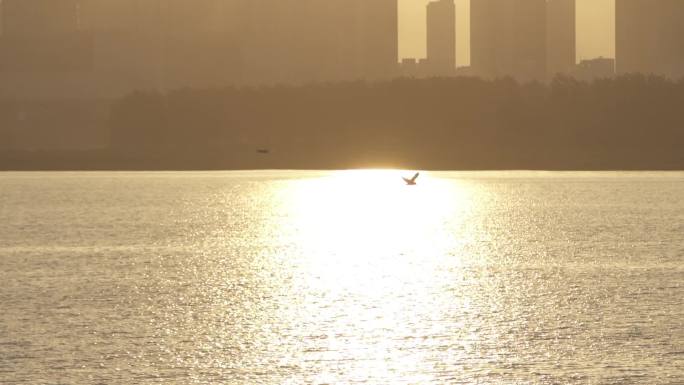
(368, 232)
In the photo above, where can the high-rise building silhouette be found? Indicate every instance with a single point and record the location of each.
(162, 44)
(127, 45)
(26, 18)
(295, 41)
(42, 35)
(592, 69)
(636, 34)
(197, 50)
(108, 15)
(441, 37)
(275, 43)
(560, 36)
(508, 38)
(379, 29)
(484, 29)
(528, 31)
(649, 37)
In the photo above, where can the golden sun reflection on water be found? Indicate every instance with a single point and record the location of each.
(311, 277)
(371, 249)
(356, 215)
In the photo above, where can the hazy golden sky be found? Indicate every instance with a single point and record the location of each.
(595, 29)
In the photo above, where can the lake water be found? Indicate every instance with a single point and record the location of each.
(341, 277)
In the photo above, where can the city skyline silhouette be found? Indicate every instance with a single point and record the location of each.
(106, 48)
(330, 192)
(109, 76)
(595, 29)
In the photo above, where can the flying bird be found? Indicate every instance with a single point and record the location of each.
(412, 181)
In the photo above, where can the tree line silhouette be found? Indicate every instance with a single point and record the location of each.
(628, 122)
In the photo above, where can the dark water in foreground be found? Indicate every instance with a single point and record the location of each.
(349, 277)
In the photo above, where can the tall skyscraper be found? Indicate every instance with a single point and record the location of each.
(108, 15)
(167, 44)
(561, 37)
(367, 37)
(276, 40)
(197, 50)
(296, 41)
(127, 43)
(636, 33)
(508, 38)
(29, 18)
(649, 37)
(527, 31)
(377, 24)
(42, 35)
(441, 37)
(485, 21)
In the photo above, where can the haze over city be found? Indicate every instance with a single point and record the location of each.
(595, 29)
(138, 83)
(442, 192)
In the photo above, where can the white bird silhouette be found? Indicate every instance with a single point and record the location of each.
(412, 181)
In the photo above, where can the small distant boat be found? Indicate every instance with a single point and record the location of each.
(412, 181)
(263, 151)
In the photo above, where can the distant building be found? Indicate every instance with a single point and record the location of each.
(441, 37)
(423, 68)
(636, 34)
(409, 67)
(198, 49)
(28, 18)
(113, 47)
(465, 71)
(484, 30)
(527, 31)
(6, 134)
(42, 35)
(649, 37)
(163, 44)
(378, 27)
(599, 68)
(295, 41)
(508, 38)
(128, 44)
(560, 37)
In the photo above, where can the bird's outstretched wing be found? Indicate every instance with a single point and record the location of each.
(411, 181)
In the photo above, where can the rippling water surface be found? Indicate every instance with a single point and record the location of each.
(343, 277)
